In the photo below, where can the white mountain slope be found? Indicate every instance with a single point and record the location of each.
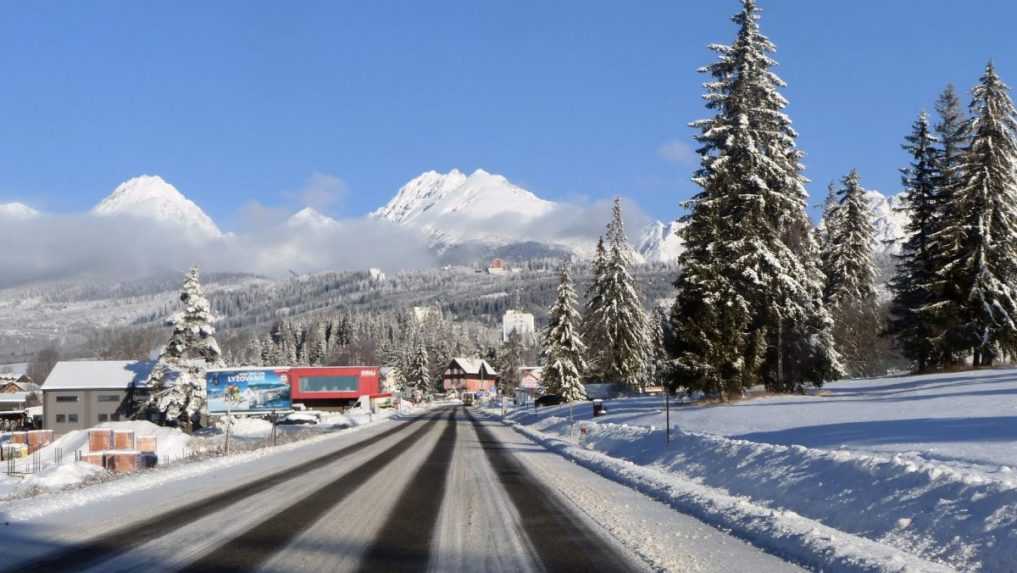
(453, 208)
(17, 211)
(660, 243)
(151, 197)
(889, 222)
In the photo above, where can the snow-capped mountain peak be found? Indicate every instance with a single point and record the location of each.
(453, 207)
(17, 211)
(310, 217)
(151, 197)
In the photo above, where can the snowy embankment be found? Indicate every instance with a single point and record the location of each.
(855, 505)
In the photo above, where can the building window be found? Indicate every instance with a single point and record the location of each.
(66, 398)
(109, 398)
(72, 418)
(328, 383)
(61, 419)
(103, 417)
(114, 417)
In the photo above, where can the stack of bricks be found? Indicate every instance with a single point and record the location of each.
(35, 440)
(119, 451)
(39, 439)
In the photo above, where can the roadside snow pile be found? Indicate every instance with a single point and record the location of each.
(957, 508)
(251, 428)
(779, 531)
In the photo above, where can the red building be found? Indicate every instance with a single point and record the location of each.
(470, 375)
(334, 386)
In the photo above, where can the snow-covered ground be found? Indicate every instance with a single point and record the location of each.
(919, 464)
(173, 446)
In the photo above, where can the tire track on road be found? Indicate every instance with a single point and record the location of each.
(124, 539)
(563, 541)
(404, 541)
(253, 548)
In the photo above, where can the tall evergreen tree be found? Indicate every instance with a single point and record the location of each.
(984, 264)
(911, 324)
(946, 307)
(619, 319)
(594, 333)
(418, 372)
(749, 243)
(850, 279)
(563, 351)
(177, 382)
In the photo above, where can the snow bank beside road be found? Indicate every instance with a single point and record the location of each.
(781, 532)
(770, 493)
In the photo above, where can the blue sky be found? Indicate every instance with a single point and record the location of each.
(235, 102)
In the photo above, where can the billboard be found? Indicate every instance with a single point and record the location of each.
(247, 391)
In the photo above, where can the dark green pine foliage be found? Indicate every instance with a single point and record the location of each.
(984, 263)
(594, 333)
(749, 307)
(910, 323)
(945, 309)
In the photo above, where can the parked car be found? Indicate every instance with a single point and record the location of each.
(548, 400)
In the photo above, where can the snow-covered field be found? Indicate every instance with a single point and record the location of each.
(922, 465)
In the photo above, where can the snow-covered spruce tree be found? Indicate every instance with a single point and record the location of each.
(595, 334)
(418, 375)
(984, 264)
(850, 274)
(850, 279)
(911, 323)
(657, 360)
(946, 307)
(177, 382)
(750, 283)
(563, 346)
(619, 318)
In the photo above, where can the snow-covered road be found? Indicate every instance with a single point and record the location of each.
(450, 490)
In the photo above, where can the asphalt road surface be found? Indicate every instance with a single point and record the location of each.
(450, 490)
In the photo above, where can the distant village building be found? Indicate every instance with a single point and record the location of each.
(497, 267)
(81, 394)
(376, 274)
(518, 321)
(469, 375)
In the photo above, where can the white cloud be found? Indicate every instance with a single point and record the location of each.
(124, 247)
(321, 191)
(678, 151)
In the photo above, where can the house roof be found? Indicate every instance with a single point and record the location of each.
(96, 374)
(473, 366)
(21, 386)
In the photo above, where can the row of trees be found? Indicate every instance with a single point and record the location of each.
(954, 290)
(614, 340)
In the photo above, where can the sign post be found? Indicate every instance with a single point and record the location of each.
(667, 409)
